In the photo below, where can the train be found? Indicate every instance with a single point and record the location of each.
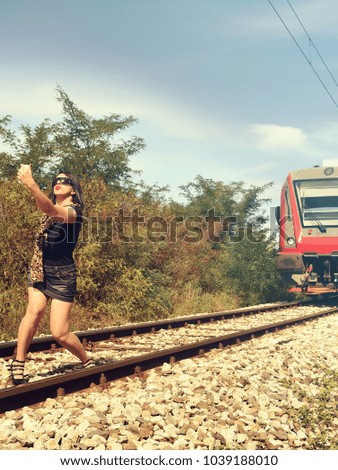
(307, 258)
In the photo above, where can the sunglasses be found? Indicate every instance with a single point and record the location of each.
(66, 181)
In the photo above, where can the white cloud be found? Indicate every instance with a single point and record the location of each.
(326, 134)
(166, 117)
(272, 137)
(29, 99)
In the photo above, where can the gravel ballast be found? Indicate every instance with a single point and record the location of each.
(276, 392)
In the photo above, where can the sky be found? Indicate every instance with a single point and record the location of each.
(219, 87)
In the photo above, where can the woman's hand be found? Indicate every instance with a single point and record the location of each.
(24, 175)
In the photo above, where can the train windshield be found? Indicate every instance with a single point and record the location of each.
(318, 202)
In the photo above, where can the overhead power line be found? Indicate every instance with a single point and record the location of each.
(303, 53)
(312, 43)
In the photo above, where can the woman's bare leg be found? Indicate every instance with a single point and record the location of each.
(37, 303)
(59, 327)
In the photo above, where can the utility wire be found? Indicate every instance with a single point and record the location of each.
(312, 43)
(301, 50)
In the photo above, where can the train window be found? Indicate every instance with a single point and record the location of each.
(318, 202)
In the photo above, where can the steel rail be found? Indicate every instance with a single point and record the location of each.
(45, 343)
(38, 391)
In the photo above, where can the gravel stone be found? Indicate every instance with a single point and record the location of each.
(241, 397)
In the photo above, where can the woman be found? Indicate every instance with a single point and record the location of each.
(52, 273)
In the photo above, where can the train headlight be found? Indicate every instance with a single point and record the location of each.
(290, 241)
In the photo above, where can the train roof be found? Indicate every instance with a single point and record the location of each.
(317, 172)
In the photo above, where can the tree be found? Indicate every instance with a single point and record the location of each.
(88, 147)
(230, 199)
(203, 194)
(245, 259)
(225, 205)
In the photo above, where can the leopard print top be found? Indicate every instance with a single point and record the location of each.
(36, 268)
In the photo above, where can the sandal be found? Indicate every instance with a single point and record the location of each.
(88, 363)
(17, 371)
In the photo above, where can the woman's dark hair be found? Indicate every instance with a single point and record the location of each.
(78, 196)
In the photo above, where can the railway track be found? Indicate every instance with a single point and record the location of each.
(7, 349)
(37, 391)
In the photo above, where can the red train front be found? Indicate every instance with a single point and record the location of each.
(308, 219)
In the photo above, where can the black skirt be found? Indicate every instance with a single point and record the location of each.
(59, 282)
